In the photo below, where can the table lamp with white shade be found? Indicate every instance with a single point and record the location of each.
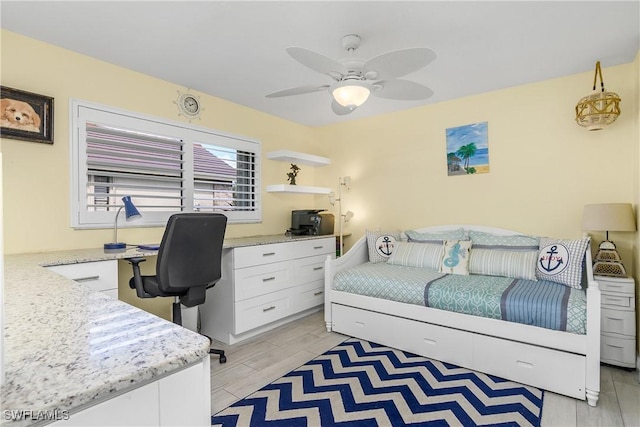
(608, 217)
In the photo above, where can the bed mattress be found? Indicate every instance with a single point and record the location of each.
(538, 303)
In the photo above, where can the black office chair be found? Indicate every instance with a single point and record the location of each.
(189, 262)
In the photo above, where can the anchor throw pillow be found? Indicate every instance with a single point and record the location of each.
(381, 244)
(560, 260)
(455, 259)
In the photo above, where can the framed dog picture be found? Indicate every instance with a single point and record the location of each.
(26, 116)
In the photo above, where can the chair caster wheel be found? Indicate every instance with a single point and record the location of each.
(223, 359)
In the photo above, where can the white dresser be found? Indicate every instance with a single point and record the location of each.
(618, 321)
(265, 285)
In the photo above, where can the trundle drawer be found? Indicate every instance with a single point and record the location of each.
(618, 350)
(540, 367)
(424, 339)
(263, 279)
(618, 322)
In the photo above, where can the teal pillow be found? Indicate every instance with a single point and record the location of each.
(436, 236)
(483, 240)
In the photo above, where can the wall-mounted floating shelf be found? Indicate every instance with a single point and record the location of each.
(295, 157)
(297, 189)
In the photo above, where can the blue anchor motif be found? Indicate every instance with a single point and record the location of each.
(386, 247)
(454, 256)
(550, 258)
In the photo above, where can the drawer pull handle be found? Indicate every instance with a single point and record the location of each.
(268, 254)
(317, 268)
(86, 279)
(273, 307)
(430, 341)
(318, 247)
(267, 279)
(358, 323)
(524, 364)
(315, 294)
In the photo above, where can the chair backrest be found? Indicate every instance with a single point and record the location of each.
(190, 255)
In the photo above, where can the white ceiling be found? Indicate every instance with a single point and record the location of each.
(235, 50)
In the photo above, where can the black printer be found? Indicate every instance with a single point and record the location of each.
(311, 222)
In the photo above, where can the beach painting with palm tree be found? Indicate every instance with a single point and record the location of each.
(467, 149)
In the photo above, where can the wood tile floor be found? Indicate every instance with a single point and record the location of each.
(258, 361)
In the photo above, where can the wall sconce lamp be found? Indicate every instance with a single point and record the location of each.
(346, 217)
(608, 217)
(131, 213)
(600, 109)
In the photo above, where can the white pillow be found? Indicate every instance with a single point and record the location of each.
(560, 261)
(456, 257)
(381, 244)
(422, 255)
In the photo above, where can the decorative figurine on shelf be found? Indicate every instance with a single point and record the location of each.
(292, 175)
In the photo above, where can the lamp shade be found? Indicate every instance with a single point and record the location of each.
(130, 210)
(608, 217)
(351, 93)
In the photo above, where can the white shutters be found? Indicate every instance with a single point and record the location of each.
(164, 167)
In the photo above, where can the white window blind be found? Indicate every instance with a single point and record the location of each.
(164, 167)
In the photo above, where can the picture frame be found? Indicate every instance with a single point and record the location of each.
(467, 149)
(26, 116)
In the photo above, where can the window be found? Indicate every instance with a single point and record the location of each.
(165, 168)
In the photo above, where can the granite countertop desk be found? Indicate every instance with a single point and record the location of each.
(67, 347)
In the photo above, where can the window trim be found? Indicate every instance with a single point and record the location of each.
(82, 219)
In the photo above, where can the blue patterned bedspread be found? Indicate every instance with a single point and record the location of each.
(539, 303)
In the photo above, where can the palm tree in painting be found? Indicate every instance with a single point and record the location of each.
(466, 152)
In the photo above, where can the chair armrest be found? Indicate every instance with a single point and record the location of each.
(136, 280)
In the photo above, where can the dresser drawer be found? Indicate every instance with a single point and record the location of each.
(98, 276)
(263, 279)
(306, 248)
(309, 295)
(250, 256)
(254, 312)
(618, 351)
(618, 301)
(309, 269)
(618, 322)
(618, 285)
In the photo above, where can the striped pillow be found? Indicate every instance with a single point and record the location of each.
(496, 241)
(509, 263)
(435, 237)
(422, 255)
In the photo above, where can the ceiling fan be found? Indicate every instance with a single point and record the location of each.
(355, 79)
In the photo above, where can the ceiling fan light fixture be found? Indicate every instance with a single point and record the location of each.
(351, 94)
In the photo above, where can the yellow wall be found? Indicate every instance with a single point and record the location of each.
(37, 175)
(543, 166)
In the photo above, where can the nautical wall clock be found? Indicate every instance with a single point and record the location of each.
(188, 105)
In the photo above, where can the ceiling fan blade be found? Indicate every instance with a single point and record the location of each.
(404, 90)
(317, 62)
(398, 63)
(298, 90)
(339, 109)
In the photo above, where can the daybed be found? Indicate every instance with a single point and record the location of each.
(562, 361)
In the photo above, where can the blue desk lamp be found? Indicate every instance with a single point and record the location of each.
(131, 213)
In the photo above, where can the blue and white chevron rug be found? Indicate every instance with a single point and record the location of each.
(359, 383)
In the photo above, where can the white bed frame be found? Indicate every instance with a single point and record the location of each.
(556, 361)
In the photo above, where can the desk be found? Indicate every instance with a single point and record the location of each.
(76, 351)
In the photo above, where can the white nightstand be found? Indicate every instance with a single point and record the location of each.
(618, 321)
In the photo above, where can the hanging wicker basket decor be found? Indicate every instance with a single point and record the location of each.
(599, 109)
